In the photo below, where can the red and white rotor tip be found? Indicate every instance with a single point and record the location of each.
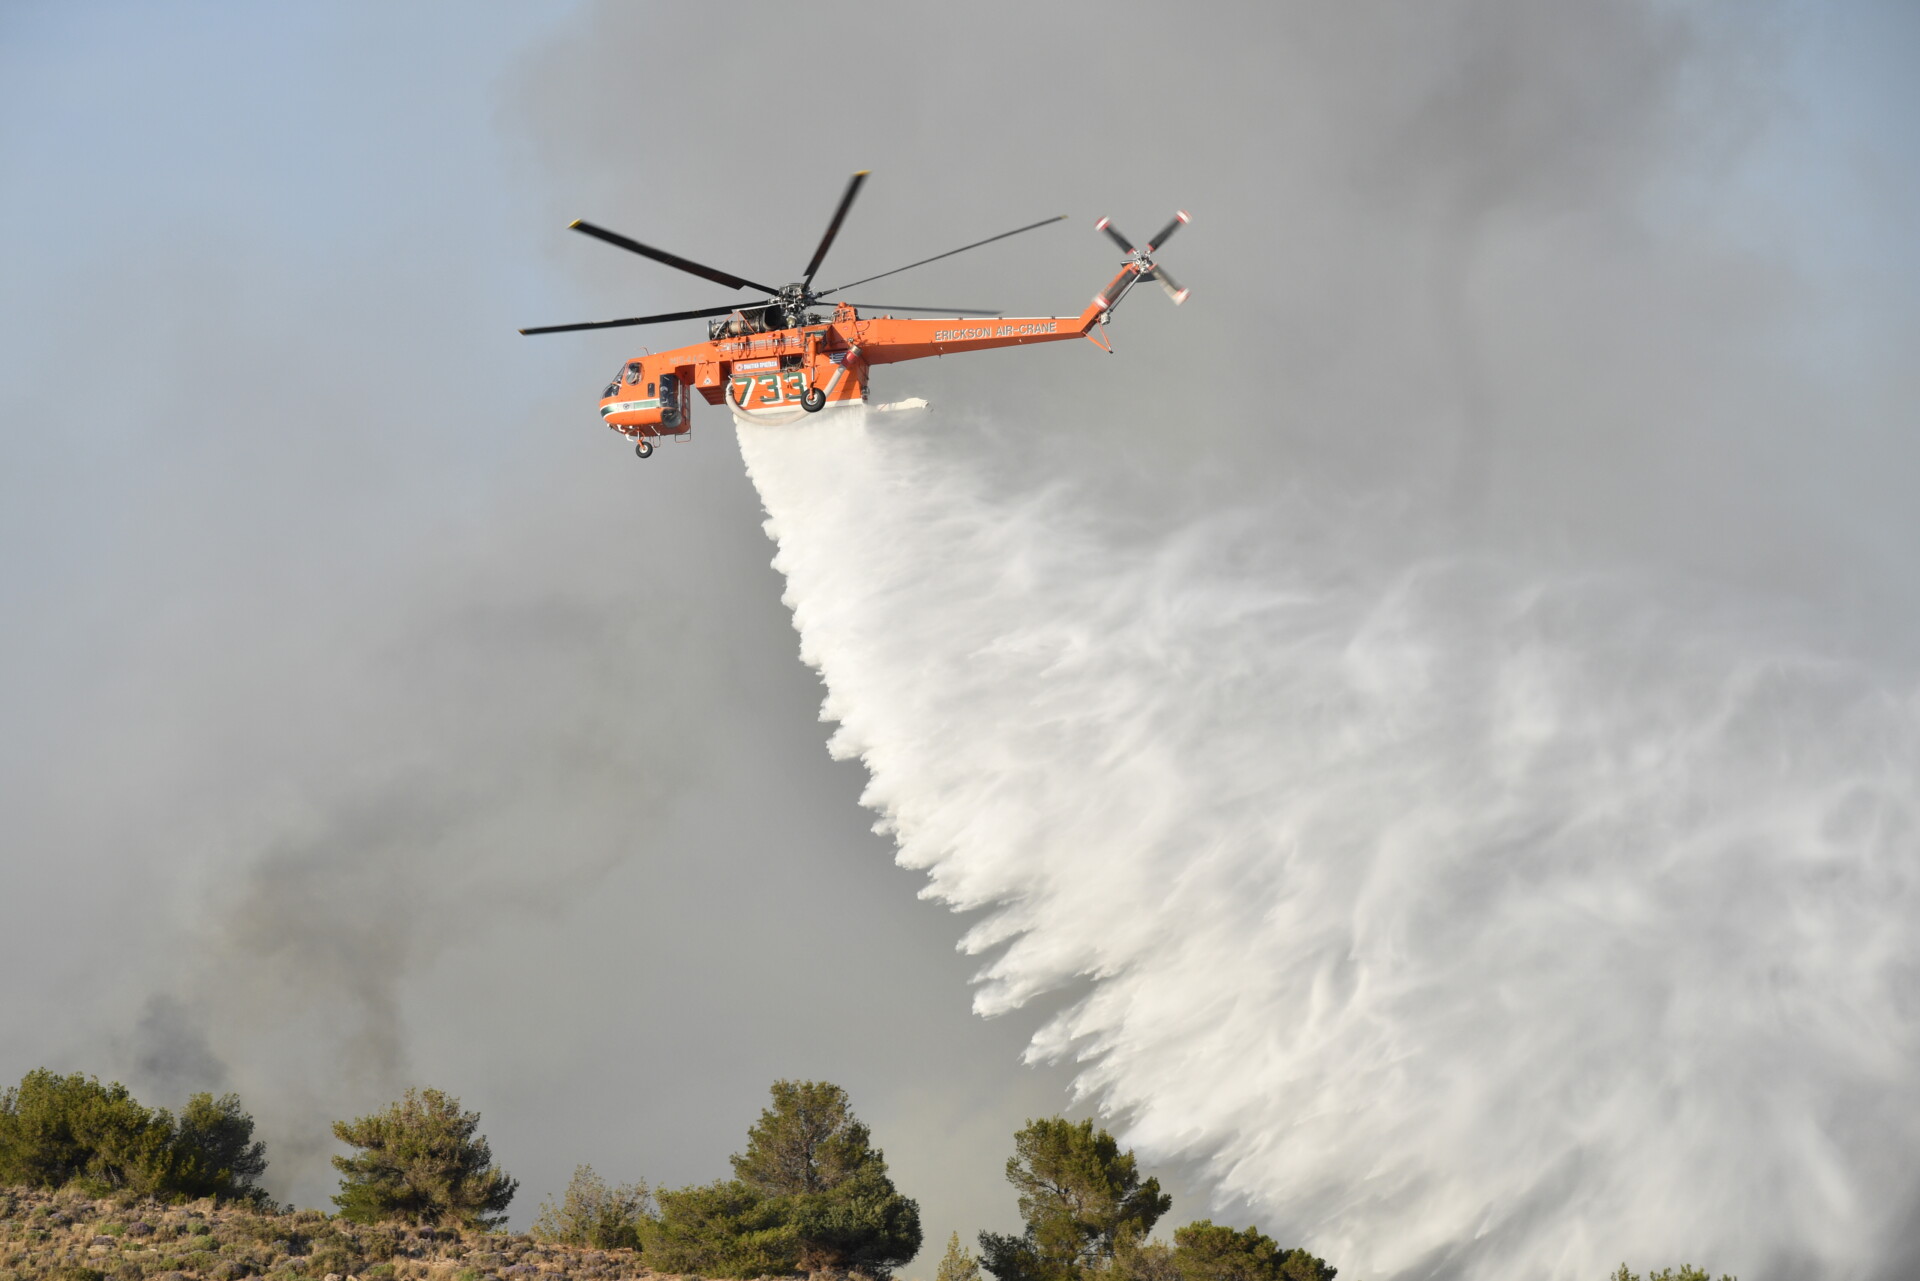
(1182, 215)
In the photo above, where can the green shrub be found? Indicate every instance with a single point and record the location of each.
(380, 1243)
(58, 1131)
(261, 1228)
(592, 1213)
(329, 1258)
(723, 1229)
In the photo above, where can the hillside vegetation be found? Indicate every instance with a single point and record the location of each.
(69, 1236)
(95, 1186)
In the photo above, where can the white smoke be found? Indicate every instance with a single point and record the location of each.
(1469, 917)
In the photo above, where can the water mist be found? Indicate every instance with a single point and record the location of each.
(1466, 916)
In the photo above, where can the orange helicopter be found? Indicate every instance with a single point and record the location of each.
(776, 360)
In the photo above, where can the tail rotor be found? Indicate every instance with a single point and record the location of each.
(1141, 260)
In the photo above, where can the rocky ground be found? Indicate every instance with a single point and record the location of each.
(62, 1236)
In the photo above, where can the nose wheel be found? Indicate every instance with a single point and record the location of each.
(644, 449)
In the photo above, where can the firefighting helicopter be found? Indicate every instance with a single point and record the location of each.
(775, 360)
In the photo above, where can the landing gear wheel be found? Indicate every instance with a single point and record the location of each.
(813, 400)
(644, 449)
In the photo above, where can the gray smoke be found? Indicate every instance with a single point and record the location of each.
(370, 720)
(1450, 686)
(518, 750)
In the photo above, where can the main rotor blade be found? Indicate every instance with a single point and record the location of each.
(833, 228)
(672, 260)
(938, 311)
(1180, 219)
(1126, 246)
(637, 320)
(937, 257)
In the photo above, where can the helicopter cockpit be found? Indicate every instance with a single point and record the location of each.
(630, 371)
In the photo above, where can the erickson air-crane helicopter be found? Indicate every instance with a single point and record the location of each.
(777, 359)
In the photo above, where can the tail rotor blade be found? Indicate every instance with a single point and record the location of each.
(1113, 233)
(1166, 233)
(1168, 283)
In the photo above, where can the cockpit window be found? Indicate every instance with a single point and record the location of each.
(633, 371)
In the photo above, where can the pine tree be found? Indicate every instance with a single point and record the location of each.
(810, 1151)
(1082, 1199)
(810, 1194)
(958, 1263)
(214, 1152)
(808, 1141)
(1206, 1251)
(420, 1162)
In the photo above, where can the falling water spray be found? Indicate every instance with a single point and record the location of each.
(1465, 917)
